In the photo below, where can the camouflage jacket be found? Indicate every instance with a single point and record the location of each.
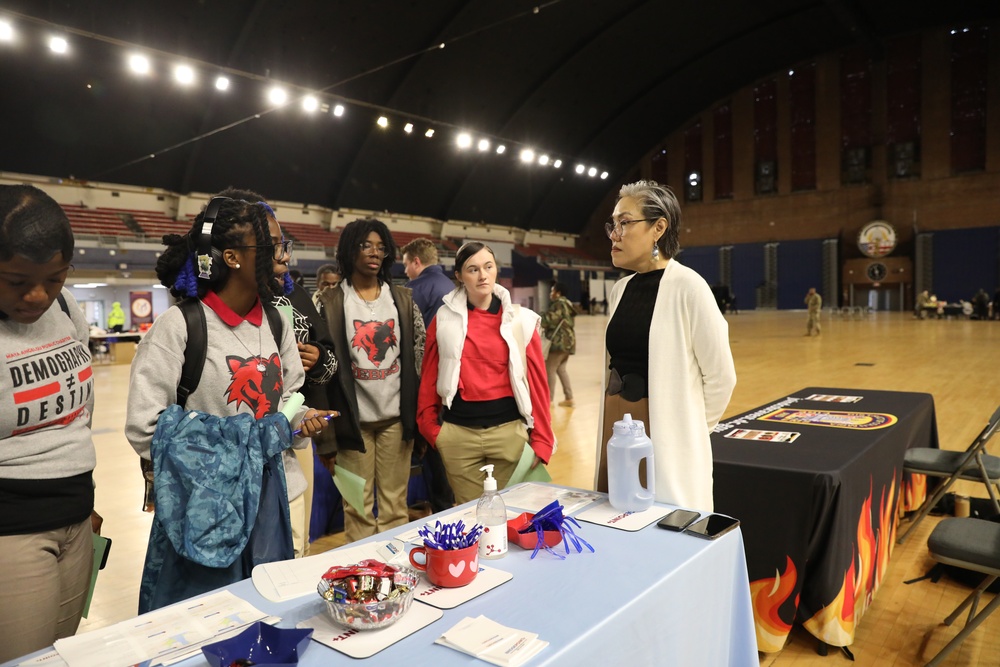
(564, 339)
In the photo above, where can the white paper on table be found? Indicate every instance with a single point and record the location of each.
(606, 515)
(533, 497)
(163, 636)
(488, 640)
(366, 643)
(448, 598)
(289, 579)
(49, 659)
(467, 516)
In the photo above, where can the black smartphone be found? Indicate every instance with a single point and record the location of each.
(678, 519)
(712, 526)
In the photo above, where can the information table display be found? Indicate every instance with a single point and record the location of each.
(816, 478)
(648, 597)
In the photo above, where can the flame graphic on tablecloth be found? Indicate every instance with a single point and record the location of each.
(913, 491)
(835, 623)
(767, 595)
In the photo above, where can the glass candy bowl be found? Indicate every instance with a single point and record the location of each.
(375, 614)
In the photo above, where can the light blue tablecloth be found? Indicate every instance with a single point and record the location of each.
(651, 597)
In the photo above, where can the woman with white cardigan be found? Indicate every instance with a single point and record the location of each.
(668, 344)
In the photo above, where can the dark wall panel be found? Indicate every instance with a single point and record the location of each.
(704, 260)
(800, 266)
(964, 261)
(748, 273)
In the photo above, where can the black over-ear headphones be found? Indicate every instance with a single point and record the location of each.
(204, 254)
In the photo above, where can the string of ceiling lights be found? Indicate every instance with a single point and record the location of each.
(142, 61)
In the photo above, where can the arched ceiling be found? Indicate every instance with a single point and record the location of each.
(594, 81)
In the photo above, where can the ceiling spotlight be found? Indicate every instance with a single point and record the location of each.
(383, 122)
(6, 32)
(277, 96)
(139, 64)
(338, 110)
(791, 72)
(592, 172)
(580, 168)
(429, 133)
(58, 45)
(557, 164)
(484, 145)
(184, 75)
(543, 160)
(408, 128)
(527, 155)
(310, 104)
(604, 175)
(501, 149)
(464, 140)
(222, 83)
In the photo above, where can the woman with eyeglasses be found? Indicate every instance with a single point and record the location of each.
(318, 361)
(228, 274)
(376, 328)
(668, 344)
(484, 392)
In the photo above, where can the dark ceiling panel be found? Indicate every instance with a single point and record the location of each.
(600, 81)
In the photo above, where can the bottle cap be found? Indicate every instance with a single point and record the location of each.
(489, 484)
(624, 426)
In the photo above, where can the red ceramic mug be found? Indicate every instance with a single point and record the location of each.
(448, 568)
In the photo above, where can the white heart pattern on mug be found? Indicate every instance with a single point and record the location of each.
(456, 569)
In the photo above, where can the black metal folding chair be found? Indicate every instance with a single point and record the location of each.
(973, 544)
(971, 465)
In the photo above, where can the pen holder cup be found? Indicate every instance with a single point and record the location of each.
(528, 540)
(448, 568)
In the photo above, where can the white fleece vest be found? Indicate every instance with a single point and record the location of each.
(453, 326)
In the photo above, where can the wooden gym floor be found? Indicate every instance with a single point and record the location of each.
(955, 360)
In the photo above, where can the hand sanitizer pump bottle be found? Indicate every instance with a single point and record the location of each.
(491, 513)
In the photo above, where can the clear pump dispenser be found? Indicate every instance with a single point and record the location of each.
(491, 513)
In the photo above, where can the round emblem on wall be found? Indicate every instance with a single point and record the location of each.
(877, 239)
(876, 272)
(141, 308)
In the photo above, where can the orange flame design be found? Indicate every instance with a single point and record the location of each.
(767, 595)
(914, 491)
(835, 623)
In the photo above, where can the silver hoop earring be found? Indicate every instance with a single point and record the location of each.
(656, 252)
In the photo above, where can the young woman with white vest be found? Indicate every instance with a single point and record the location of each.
(483, 390)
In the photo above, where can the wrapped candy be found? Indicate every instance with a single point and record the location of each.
(368, 595)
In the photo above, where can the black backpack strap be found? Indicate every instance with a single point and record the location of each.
(62, 304)
(196, 349)
(276, 321)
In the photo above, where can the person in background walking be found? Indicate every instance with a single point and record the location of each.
(814, 302)
(558, 327)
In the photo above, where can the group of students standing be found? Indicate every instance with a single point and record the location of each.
(378, 371)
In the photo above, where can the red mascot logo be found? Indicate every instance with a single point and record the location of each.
(259, 389)
(374, 338)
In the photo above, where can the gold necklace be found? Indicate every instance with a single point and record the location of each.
(261, 367)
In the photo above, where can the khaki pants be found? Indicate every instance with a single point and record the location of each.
(615, 408)
(812, 322)
(44, 582)
(555, 364)
(465, 450)
(385, 467)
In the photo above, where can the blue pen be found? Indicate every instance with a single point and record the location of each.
(298, 431)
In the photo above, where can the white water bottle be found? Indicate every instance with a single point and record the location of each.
(629, 445)
(491, 513)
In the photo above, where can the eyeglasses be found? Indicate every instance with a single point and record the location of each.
(368, 246)
(619, 227)
(278, 250)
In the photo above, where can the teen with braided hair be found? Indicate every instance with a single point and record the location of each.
(316, 353)
(230, 272)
